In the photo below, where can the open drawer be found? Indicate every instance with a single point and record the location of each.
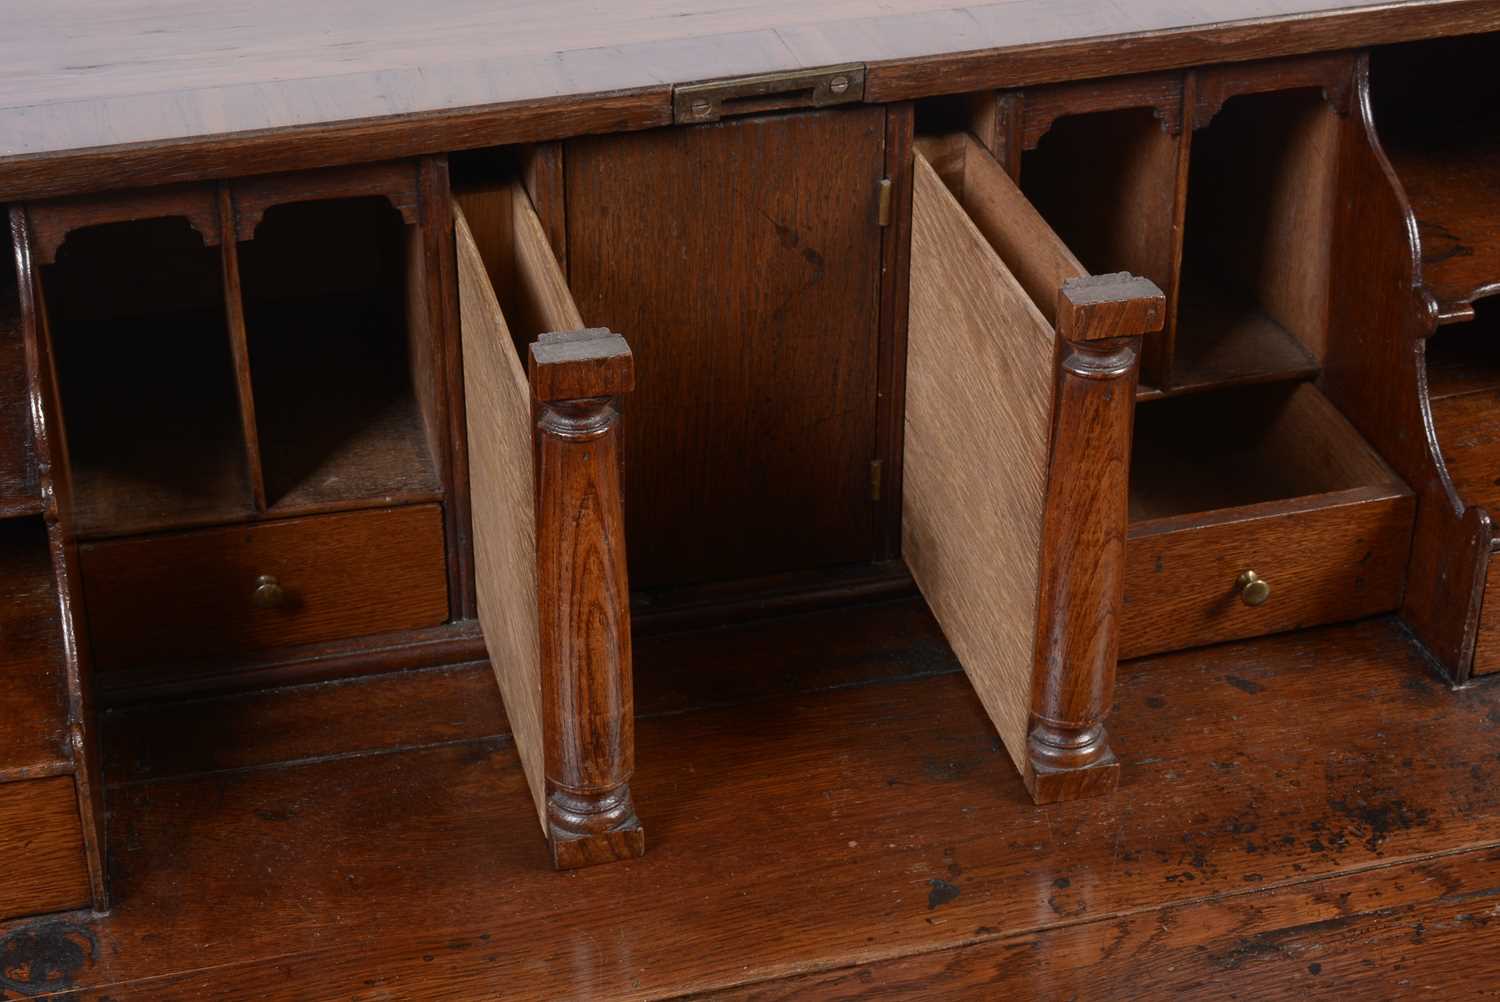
(1020, 382)
(1254, 510)
(548, 524)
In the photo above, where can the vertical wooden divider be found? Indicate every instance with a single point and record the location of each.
(1082, 577)
(549, 530)
(54, 475)
(895, 268)
(239, 344)
(588, 705)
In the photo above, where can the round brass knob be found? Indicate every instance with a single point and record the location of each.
(268, 593)
(1253, 588)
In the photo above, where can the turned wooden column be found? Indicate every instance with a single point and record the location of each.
(1081, 581)
(588, 712)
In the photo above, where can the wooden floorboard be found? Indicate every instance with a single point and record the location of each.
(828, 814)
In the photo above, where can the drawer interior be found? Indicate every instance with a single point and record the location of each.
(1246, 445)
(1263, 480)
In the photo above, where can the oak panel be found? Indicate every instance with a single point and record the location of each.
(502, 479)
(979, 381)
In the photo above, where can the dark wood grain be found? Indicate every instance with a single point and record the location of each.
(281, 724)
(895, 281)
(33, 677)
(170, 599)
(1386, 932)
(41, 849)
(441, 293)
(1374, 372)
(752, 308)
(583, 596)
(1082, 575)
(1173, 48)
(1332, 75)
(54, 470)
(371, 654)
(325, 144)
(1248, 829)
(20, 493)
(1433, 103)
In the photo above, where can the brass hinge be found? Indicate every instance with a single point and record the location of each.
(876, 468)
(885, 201)
(709, 102)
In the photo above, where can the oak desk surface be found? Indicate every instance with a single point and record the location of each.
(87, 75)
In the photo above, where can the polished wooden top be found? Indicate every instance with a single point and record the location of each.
(80, 75)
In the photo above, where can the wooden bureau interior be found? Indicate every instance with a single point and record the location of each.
(1106, 368)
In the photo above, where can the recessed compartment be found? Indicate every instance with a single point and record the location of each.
(334, 312)
(135, 311)
(1265, 480)
(1253, 296)
(169, 600)
(1105, 182)
(1434, 104)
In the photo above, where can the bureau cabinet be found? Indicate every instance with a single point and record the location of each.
(1104, 368)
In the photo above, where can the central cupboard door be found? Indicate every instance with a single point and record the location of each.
(742, 261)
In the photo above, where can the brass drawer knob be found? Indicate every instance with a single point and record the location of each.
(268, 593)
(1253, 588)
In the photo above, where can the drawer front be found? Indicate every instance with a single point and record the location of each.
(41, 848)
(168, 599)
(1323, 564)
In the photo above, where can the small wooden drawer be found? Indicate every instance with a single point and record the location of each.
(42, 866)
(169, 599)
(1264, 479)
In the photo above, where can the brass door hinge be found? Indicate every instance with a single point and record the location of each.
(716, 99)
(885, 201)
(876, 475)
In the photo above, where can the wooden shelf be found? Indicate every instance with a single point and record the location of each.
(153, 427)
(32, 668)
(1455, 194)
(338, 421)
(1226, 339)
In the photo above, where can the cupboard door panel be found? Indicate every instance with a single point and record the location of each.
(742, 261)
